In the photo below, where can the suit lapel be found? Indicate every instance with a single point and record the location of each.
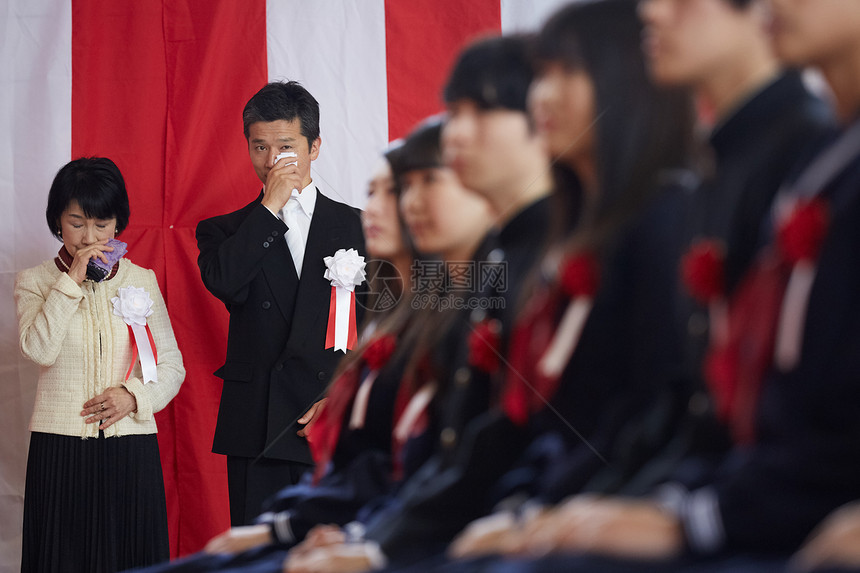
(280, 273)
(314, 291)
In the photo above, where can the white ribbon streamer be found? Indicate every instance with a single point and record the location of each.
(341, 318)
(359, 406)
(566, 338)
(145, 353)
(789, 334)
(410, 415)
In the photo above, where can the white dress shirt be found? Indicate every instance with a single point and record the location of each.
(297, 215)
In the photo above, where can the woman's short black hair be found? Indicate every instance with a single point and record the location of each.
(493, 73)
(421, 149)
(97, 186)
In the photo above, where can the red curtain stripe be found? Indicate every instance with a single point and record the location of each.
(159, 87)
(423, 38)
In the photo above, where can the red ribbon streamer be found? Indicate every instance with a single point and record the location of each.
(352, 335)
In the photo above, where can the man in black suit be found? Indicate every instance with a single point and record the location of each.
(265, 262)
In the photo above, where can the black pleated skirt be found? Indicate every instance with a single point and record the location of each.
(93, 506)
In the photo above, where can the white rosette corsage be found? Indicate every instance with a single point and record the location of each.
(134, 306)
(345, 270)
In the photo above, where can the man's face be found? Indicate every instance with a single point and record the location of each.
(267, 139)
(688, 41)
(485, 147)
(813, 32)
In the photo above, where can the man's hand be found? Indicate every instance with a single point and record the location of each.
(835, 543)
(490, 535)
(623, 528)
(341, 558)
(238, 539)
(319, 536)
(310, 416)
(280, 182)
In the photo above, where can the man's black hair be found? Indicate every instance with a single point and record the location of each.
(493, 73)
(287, 101)
(421, 149)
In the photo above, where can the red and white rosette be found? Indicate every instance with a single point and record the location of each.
(345, 270)
(703, 270)
(579, 278)
(802, 228)
(134, 306)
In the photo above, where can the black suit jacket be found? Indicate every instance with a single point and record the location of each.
(805, 463)
(276, 366)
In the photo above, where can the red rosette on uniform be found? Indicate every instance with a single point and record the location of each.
(802, 233)
(379, 351)
(735, 368)
(580, 275)
(484, 346)
(703, 270)
(546, 335)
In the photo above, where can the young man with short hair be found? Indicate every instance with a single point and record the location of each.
(265, 262)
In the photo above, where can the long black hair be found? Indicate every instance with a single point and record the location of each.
(420, 323)
(640, 130)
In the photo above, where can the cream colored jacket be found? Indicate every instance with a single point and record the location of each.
(83, 348)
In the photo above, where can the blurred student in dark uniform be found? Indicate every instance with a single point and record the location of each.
(597, 342)
(760, 120)
(491, 144)
(797, 311)
(606, 184)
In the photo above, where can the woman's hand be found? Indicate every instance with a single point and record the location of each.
(78, 268)
(238, 539)
(109, 407)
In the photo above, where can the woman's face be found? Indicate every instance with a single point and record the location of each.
(380, 219)
(79, 231)
(561, 101)
(442, 216)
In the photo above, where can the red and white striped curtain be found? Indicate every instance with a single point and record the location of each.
(159, 87)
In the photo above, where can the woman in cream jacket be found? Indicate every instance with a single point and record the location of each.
(94, 498)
